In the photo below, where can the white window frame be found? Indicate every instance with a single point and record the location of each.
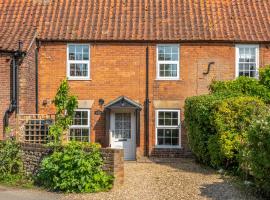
(169, 127)
(78, 62)
(168, 62)
(82, 126)
(237, 47)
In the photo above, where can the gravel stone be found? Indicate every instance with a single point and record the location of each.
(183, 179)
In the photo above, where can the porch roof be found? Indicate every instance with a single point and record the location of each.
(123, 102)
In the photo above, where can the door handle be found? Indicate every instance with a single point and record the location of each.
(122, 140)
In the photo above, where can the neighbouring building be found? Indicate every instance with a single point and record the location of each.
(131, 63)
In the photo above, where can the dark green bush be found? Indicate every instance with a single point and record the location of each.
(10, 161)
(257, 152)
(72, 169)
(265, 76)
(230, 128)
(198, 110)
(231, 119)
(241, 86)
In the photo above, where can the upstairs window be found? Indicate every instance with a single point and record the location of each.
(168, 62)
(168, 128)
(247, 60)
(80, 128)
(78, 62)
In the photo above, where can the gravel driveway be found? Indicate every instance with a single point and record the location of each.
(183, 180)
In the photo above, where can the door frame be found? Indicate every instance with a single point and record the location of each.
(133, 130)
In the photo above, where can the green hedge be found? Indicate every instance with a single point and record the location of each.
(243, 86)
(257, 153)
(231, 119)
(230, 127)
(265, 76)
(198, 110)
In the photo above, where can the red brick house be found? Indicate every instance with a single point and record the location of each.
(133, 63)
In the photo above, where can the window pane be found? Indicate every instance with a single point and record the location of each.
(175, 57)
(85, 56)
(173, 67)
(160, 132)
(168, 122)
(253, 73)
(72, 69)
(175, 122)
(161, 122)
(161, 114)
(162, 67)
(161, 50)
(175, 115)
(175, 133)
(168, 133)
(175, 50)
(162, 73)
(168, 73)
(175, 141)
(168, 49)
(168, 57)
(168, 115)
(168, 141)
(86, 49)
(71, 56)
(161, 57)
(160, 141)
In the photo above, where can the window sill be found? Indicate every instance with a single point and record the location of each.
(79, 79)
(167, 147)
(165, 79)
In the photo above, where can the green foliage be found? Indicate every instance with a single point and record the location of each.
(65, 105)
(241, 86)
(257, 152)
(75, 169)
(230, 128)
(10, 161)
(231, 119)
(265, 76)
(198, 110)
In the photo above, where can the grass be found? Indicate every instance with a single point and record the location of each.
(18, 181)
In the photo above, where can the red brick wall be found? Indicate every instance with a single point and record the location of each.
(4, 88)
(26, 77)
(27, 83)
(119, 69)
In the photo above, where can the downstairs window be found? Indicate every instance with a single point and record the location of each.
(80, 129)
(168, 128)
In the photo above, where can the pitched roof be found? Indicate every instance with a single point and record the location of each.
(135, 20)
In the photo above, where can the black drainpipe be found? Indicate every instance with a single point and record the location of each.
(13, 106)
(146, 107)
(36, 63)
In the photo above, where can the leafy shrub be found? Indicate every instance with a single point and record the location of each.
(241, 86)
(198, 110)
(257, 152)
(265, 76)
(231, 119)
(10, 161)
(72, 169)
(65, 105)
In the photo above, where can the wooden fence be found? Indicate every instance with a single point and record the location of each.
(34, 128)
